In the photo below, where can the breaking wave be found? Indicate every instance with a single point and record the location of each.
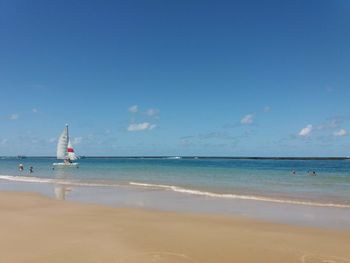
(237, 196)
(29, 179)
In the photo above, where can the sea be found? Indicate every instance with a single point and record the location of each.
(302, 191)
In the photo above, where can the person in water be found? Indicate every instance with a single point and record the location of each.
(313, 173)
(20, 167)
(31, 169)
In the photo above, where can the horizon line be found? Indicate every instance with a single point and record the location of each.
(194, 157)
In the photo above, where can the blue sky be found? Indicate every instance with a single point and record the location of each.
(230, 78)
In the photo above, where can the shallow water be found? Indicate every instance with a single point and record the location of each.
(266, 179)
(263, 189)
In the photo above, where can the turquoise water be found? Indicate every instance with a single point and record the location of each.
(265, 180)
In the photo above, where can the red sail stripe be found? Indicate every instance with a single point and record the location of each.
(70, 150)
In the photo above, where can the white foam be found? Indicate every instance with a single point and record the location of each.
(26, 179)
(30, 179)
(237, 196)
(150, 185)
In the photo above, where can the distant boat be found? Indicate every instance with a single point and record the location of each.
(65, 150)
(21, 157)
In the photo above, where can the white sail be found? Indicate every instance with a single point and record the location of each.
(70, 151)
(62, 144)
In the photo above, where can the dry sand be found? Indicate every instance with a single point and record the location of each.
(34, 228)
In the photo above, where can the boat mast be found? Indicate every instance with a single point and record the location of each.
(67, 132)
(67, 157)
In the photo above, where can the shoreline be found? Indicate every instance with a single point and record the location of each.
(280, 199)
(89, 233)
(173, 201)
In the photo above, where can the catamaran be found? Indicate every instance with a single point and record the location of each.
(65, 150)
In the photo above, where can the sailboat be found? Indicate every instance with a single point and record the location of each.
(65, 150)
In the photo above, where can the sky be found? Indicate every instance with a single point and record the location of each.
(223, 78)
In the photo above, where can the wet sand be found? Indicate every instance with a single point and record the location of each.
(35, 228)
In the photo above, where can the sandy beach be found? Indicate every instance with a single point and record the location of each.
(35, 228)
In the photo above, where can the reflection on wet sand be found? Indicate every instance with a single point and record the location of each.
(61, 191)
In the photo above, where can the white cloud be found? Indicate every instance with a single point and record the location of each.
(4, 141)
(247, 119)
(267, 109)
(306, 131)
(13, 117)
(77, 140)
(134, 108)
(340, 133)
(34, 110)
(141, 126)
(152, 112)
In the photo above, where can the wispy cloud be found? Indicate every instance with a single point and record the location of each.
(340, 133)
(306, 131)
(139, 121)
(152, 112)
(141, 126)
(325, 132)
(133, 109)
(4, 141)
(34, 110)
(247, 119)
(13, 117)
(330, 124)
